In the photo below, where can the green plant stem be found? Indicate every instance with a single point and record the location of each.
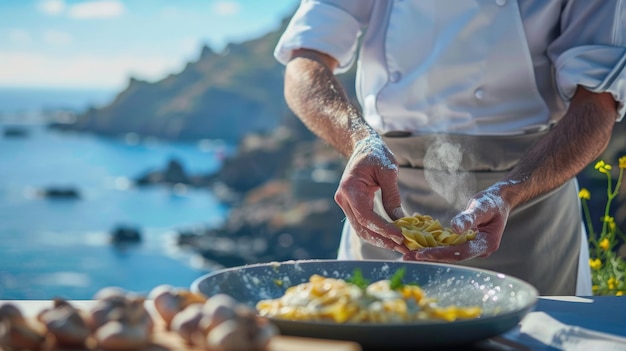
(607, 207)
(618, 185)
(619, 180)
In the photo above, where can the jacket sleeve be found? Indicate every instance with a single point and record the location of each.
(329, 26)
(591, 49)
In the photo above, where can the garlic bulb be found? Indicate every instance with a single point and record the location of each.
(16, 332)
(187, 324)
(168, 301)
(116, 335)
(120, 320)
(66, 324)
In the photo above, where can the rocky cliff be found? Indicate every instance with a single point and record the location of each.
(224, 95)
(216, 97)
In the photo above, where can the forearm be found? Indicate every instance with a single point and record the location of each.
(577, 140)
(318, 99)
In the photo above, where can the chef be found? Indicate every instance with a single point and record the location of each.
(479, 113)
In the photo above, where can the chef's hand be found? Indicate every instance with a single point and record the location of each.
(487, 212)
(370, 168)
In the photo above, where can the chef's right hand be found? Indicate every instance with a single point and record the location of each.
(372, 167)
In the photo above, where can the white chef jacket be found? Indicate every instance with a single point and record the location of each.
(473, 67)
(467, 66)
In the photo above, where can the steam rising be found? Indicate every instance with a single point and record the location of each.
(444, 172)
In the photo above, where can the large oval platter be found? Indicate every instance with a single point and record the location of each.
(505, 300)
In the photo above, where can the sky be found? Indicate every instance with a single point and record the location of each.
(100, 44)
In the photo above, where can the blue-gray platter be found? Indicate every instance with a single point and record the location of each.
(505, 300)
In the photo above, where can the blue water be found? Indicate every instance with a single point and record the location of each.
(52, 248)
(22, 100)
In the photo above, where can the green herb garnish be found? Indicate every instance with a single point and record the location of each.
(358, 279)
(395, 282)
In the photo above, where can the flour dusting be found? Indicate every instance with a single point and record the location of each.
(374, 146)
(477, 247)
(490, 199)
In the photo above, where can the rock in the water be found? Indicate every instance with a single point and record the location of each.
(15, 132)
(125, 235)
(60, 193)
(174, 173)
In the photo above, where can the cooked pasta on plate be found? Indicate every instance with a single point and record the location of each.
(337, 300)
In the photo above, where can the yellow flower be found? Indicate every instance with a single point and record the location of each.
(584, 194)
(619, 293)
(604, 244)
(599, 164)
(622, 162)
(603, 167)
(595, 288)
(595, 264)
(611, 283)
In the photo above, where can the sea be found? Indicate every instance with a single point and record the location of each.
(61, 247)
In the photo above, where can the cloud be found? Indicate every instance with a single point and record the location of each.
(19, 36)
(83, 71)
(172, 12)
(226, 7)
(57, 38)
(97, 9)
(22, 38)
(189, 46)
(51, 7)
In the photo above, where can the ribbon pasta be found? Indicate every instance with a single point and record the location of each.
(422, 231)
(330, 299)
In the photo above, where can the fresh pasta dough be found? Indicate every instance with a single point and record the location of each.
(422, 231)
(337, 300)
